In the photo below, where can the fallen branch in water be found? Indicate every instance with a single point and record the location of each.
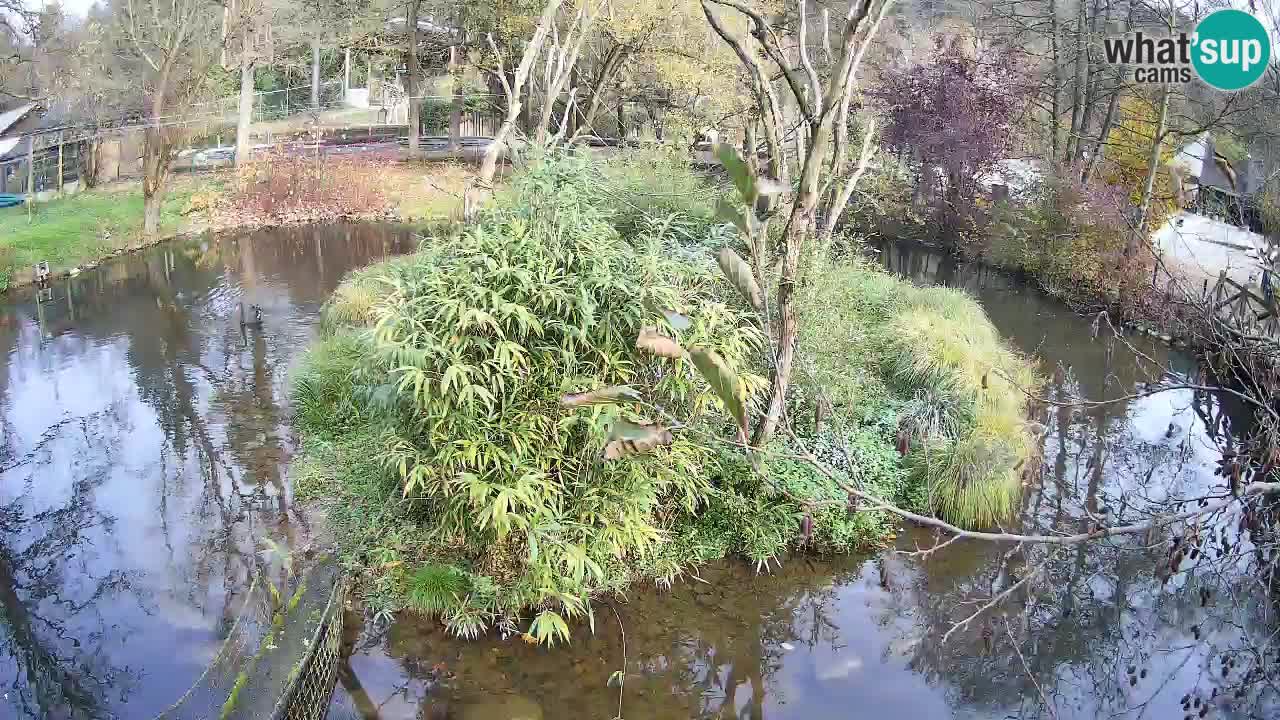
(1099, 532)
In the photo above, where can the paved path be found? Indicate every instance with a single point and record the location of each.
(1204, 248)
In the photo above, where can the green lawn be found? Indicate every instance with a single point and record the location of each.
(78, 229)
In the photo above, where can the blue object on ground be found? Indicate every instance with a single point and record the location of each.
(10, 200)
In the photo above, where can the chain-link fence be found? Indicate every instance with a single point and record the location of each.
(57, 163)
(307, 696)
(280, 658)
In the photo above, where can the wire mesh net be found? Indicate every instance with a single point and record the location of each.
(307, 697)
(280, 658)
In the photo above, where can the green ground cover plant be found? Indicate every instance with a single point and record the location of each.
(543, 407)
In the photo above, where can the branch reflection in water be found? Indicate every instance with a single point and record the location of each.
(144, 443)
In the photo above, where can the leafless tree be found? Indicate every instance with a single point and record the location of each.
(514, 90)
(248, 34)
(826, 176)
(18, 22)
(171, 45)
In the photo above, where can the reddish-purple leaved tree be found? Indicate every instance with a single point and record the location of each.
(952, 117)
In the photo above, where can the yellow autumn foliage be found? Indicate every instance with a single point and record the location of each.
(1128, 152)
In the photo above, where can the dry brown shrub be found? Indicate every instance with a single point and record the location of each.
(286, 186)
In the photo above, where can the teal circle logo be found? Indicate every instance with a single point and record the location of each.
(1232, 50)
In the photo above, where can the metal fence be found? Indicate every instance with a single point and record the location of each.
(307, 695)
(474, 123)
(56, 165)
(278, 662)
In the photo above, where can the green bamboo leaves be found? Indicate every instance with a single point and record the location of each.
(548, 628)
(739, 273)
(723, 382)
(722, 379)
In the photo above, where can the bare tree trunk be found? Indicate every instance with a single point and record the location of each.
(455, 117)
(483, 183)
(561, 63)
(1056, 78)
(156, 155)
(613, 63)
(771, 111)
(800, 224)
(89, 163)
(1094, 80)
(1153, 167)
(31, 178)
(1080, 83)
(799, 228)
(1104, 131)
(1108, 121)
(245, 118)
(411, 78)
(154, 173)
(315, 71)
(455, 112)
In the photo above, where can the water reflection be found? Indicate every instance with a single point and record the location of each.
(143, 449)
(1087, 632)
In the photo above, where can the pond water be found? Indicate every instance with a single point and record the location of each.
(144, 448)
(144, 445)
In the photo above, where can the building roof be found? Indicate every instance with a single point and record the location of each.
(14, 147)
(1198, 156)
(10, 118)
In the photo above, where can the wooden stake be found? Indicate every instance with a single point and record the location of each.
(346, 73)
(31, 178)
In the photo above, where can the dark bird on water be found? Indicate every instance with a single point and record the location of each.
(254, 321)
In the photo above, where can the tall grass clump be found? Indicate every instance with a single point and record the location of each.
(656, 185)
(324, 384)
(928, 366)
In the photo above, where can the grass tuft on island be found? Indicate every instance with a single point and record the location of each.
(463, 486)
